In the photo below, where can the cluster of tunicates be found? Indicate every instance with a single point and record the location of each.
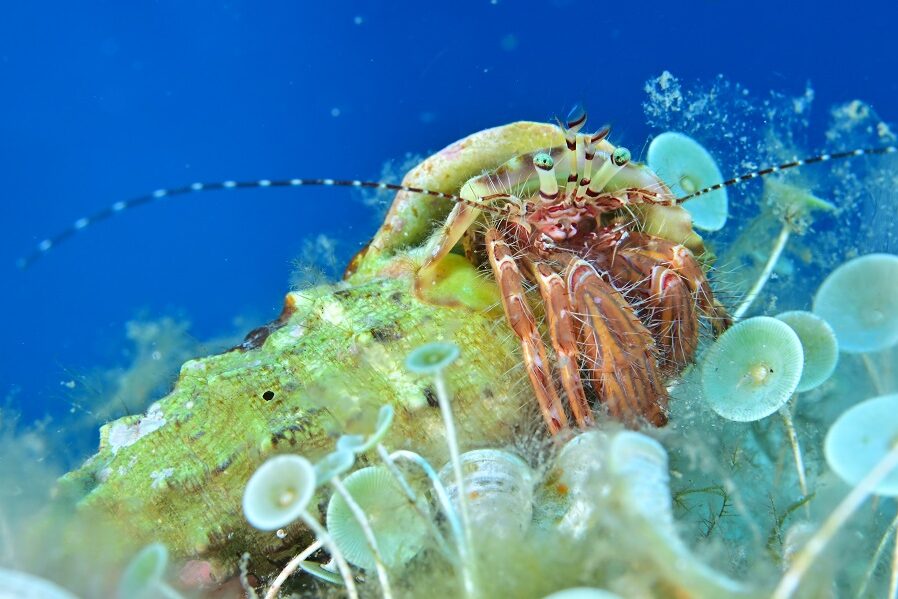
(758, 365)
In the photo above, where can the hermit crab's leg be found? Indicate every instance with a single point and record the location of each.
(672, 316)
(682, 261)
(620, 351)
(520, 317)
(563, 331)
(464, 214)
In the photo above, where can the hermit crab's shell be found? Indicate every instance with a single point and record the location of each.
(410, 219)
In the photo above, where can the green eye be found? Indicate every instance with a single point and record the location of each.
(620, 156)
(543, 161)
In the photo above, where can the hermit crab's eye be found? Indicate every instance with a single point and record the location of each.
(620, 156)
(543, 161)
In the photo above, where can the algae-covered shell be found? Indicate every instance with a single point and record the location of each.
(177, 473)
(583, 593)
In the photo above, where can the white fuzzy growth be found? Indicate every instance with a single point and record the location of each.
(123, 435)
(159, 477)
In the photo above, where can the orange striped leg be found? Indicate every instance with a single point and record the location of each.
(682, 261)
(619, 350)
(672, 316)
(563, 331)
(523, 324)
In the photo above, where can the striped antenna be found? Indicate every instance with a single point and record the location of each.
(785, 166)
(82, 223)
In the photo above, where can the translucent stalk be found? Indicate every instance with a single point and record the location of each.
(452, 441)
(803, 559)
(755, 291)
(290, 568)
(413, 497)
(449, 511)
(874, 374)
(362, 519)
(877, 555)
(893, 579)
(786, 414)
(342, 565)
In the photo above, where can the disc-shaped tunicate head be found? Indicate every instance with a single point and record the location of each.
(818, 343)
(583, 593)
(752, 369)
(333, 464)
(351, 443)
(687, 167)
(398, 527)
(362, 443)
(143, 578)
(278, 492)
(499, 491)
(860, 438)
(432, 358)
(860, 301)
(18, 585)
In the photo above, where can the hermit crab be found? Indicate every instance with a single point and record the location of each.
(571, 228)
(622, 302)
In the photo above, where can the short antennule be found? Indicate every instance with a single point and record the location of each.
(787, 165)
(82, 223)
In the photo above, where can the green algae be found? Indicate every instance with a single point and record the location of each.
(176, 473)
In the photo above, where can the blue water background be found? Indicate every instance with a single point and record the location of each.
(102, 101)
